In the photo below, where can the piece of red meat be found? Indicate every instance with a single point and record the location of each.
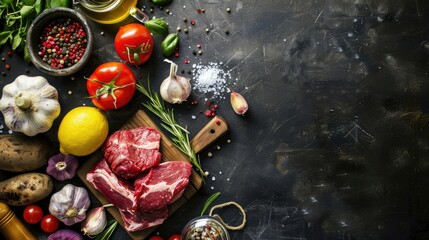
(117, 190)
(134, 221)
(130, 152)
(162, 185)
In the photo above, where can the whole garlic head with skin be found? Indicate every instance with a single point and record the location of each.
(29, 105)
(69, 205)
(175, 89)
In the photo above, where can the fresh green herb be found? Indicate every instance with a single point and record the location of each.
(209, 201)
(107, 233)
(169, 45)
(180, 135)
(157, 26)
(16, 18)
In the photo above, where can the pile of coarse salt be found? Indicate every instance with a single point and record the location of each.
(211, 79)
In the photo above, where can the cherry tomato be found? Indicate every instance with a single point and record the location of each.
(134, 44)
(111, 85)
(156, 238)
(174, 237)
(49, 224)
(33, 214)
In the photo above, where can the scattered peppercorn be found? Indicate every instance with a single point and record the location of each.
(207, 30)
(200, 52)
(194, 52)
(167, 11)
(183, 71)
(3, 73)
(185, 19)
(177, 54)
(203, 10)
(63, 43)
(226, 31)
(198, 45)
(27, 70)
(198, 10)
(3, 59)
(217, 122)
(192, 22)
(9, 53)
(7, 66)
(178, 29)
(228, 10)
(186, 61)
(185, 30)
(189, 72)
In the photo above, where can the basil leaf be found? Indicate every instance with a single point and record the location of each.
(169, 45)
(157, 26)
(16, 41)
(25, 11)
(5, 36)
(57, 3)
(28, 2)
(38, 6)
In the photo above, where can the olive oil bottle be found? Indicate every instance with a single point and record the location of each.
(106, 11)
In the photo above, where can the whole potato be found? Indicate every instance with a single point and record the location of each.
(25, 189)
(19, 153)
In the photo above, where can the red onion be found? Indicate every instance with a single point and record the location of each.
(62, 167)
(65, 234)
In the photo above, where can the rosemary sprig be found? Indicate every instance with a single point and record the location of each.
(209, 201)
(180, 136)
(107, 233)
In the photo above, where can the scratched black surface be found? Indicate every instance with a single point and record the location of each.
(335, 145)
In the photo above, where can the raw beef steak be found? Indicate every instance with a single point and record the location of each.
(130, 152)
(162, 185)
(118, 191)
(134, 221)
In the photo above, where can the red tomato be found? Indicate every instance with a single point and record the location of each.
(174, 237)
(33, 214)
(111, 85)
(156, 238)
(49, 224)
(133, 43)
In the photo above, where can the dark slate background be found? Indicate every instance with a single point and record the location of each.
(335, 144)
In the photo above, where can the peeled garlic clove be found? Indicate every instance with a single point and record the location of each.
(95, 222)
(238, 103)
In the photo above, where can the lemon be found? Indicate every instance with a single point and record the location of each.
(82, 131)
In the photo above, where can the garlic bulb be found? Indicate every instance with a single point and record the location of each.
(69, 205)
(175, 89)
(29, 105)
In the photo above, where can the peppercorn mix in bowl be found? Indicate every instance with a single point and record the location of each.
(59, 41)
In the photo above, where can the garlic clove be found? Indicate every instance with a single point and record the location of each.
(238, 103)
(95, 222)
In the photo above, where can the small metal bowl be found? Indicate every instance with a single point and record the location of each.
(208, 225)
(35, 31)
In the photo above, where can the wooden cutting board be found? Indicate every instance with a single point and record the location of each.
(212, 131)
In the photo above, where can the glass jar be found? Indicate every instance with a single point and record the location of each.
(109, 11)
(205, 227)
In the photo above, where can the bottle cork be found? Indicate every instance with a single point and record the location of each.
(11, 227)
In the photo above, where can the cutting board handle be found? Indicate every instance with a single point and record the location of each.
(215, 129)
